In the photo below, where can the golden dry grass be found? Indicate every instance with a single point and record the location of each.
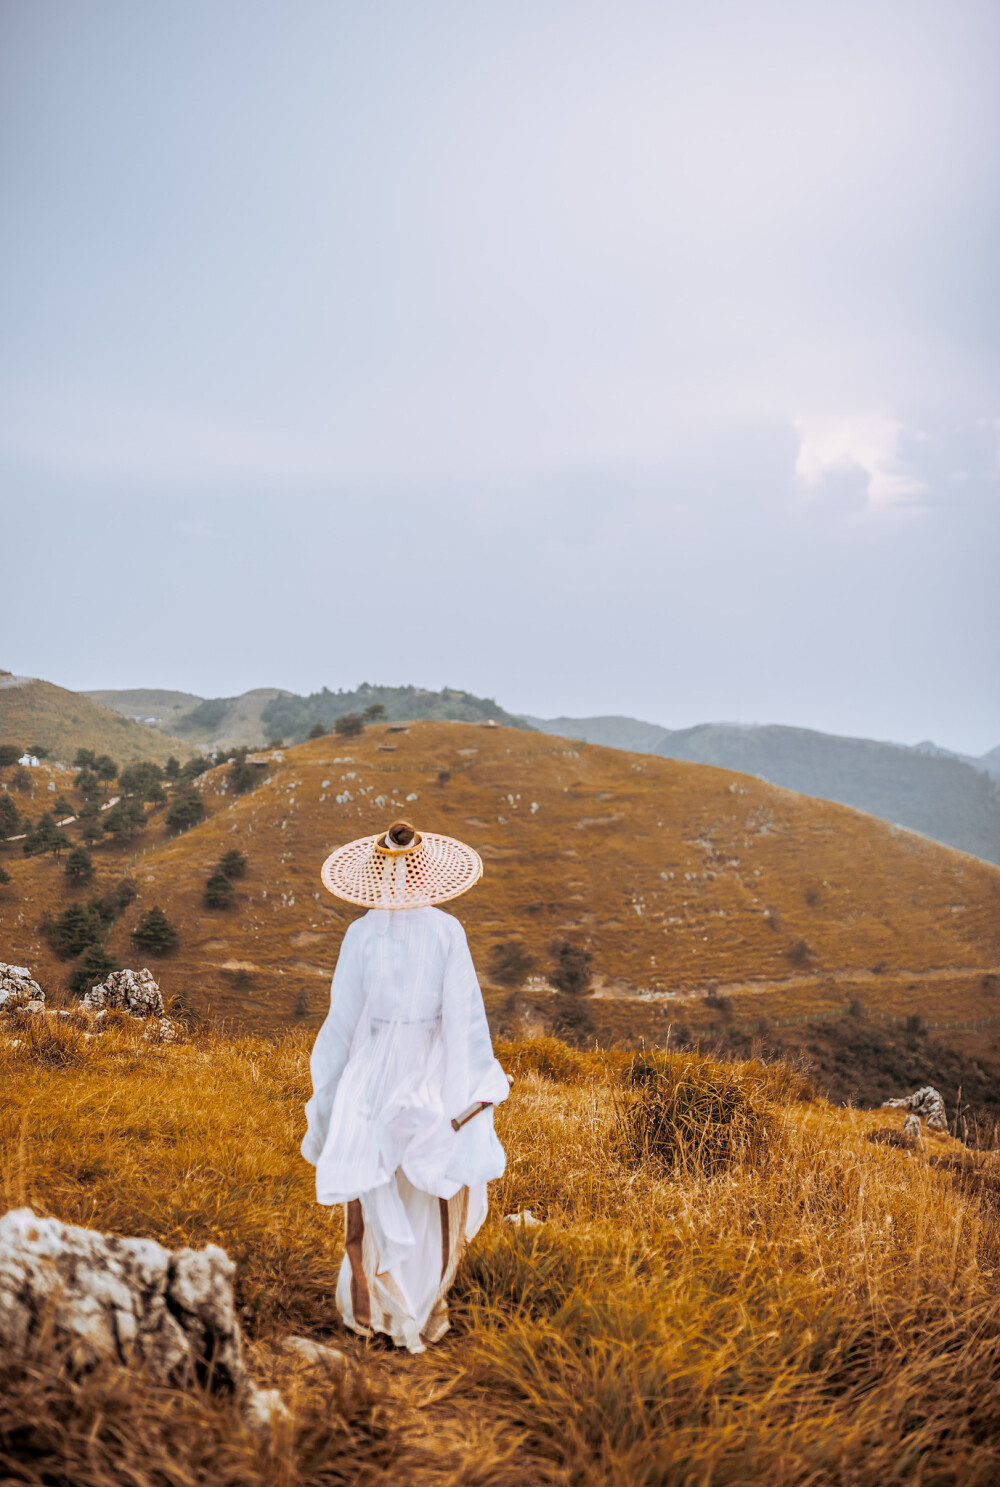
(62, 721)
(812, 1309)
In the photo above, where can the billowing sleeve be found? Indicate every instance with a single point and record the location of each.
(474, 1154)
(472, 1073)
(333, 1042)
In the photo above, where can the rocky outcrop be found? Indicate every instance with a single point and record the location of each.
(18, 992)
(129, 1300)
(134, 992)
(925, 1103)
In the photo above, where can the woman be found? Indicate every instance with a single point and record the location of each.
(404, 1080)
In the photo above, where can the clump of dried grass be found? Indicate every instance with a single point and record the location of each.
(694, 1114)
(686, 1314)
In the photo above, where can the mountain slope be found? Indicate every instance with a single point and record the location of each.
(270, 713)
(677, 878)
(36, 712)
(937, 794)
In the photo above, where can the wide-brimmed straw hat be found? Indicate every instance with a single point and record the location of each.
(378, 872)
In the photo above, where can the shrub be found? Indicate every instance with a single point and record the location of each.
(349, 725)
(39, 751)
(186, 810)
(572, 1017)
(21, 780)
(4, 876)
(9, 754)
(172, 768)
(155, 933)
(316, 731)
(510, 963)
(114, 900)
(571, 971)
(799, 954)
(693, 1113)
(62, 807)
(79, 865)
(84, 759)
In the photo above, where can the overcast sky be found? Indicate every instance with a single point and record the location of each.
(599, 357)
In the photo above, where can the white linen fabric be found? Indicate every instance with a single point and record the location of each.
(404, 1048)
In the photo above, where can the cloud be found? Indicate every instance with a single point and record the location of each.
(869, 442)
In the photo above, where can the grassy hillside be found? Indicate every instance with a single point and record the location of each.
(711, 903)
(147, 702)
(758, 1295)
(36, 712)
(253, 718)
(931, 791)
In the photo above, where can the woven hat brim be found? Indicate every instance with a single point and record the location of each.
(442, 869)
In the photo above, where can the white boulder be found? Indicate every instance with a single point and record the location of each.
(126, 1299)
(134, 992)
(925, 1103)
(18, 991)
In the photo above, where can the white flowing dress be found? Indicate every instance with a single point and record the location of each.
(404, 1048)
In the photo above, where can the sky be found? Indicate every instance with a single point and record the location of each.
(596, 357)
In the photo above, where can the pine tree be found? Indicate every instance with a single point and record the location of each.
(219, 891)
(172, 768)
(316, 731)
(233, 864)
(94, 966)
(105, 768)
(75, 929)
(243, 776)
(187, 809)
(9, 754)
(62, 807)
(154, 933)
(10, 817)
(84, 759)
(349, 725)
(79, 865)
(44, 836)
(39, 751)
(123, 820)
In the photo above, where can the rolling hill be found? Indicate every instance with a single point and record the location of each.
(36, 712)
(936, 793)
(701, 894)
(266, 713)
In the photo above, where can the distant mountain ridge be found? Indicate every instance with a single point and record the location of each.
(266, 713)
(939, 794)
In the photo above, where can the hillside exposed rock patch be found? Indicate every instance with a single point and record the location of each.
(129, 1300)
(134, 992)
(924, 1103)
(18, 992)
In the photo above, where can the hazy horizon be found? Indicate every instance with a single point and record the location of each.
(635, 360)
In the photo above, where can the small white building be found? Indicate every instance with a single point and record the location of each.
(29, 761)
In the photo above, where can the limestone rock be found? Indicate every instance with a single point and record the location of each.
(127, 1299)
(309, 1351)
(524, 1220)
(134, 992)
(162, 1030)
(18, 991)
(925, 1103)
